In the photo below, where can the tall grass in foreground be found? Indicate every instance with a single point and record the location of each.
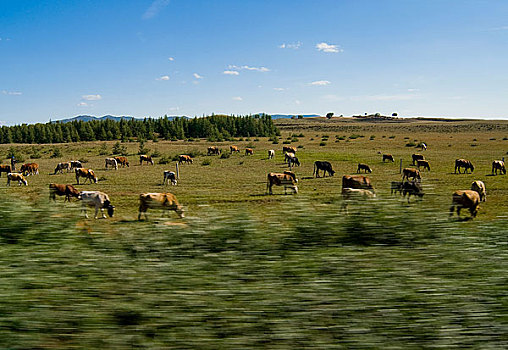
(310, 277)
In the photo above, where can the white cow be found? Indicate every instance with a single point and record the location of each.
(111, 162)
(169, 176)
(96, 199)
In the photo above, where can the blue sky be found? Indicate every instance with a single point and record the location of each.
(149, 58)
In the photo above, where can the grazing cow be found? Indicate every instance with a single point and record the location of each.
(169, 176)
(288, 155)
(165, 201)
(183, 158)
(122, 161)
(29, 169)
(16, 177)
(422, 146)
(479, 187)
(498, 165)
(323, 165)
(363, 167)
(145, 158)
(287, 179)
(249, 151)
(412, 188)
(349, 194)
(234, 149)
(214, 150)
(96, 199)
(396, 186)
(468, 199)
(423, 163)
(5, 169)
(60, 167)
(62, 190)
(292, 160)
(76, 164)
(411, 173)
(112, 163)
(388, 157)
(357, 181)
(88, 174)
(463, 163)
(271, 154)
(417, 157)
(288, 149)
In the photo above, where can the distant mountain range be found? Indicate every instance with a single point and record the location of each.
(282, 116)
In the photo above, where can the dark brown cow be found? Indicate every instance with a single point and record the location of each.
(234, 149)
(388, 157)
(412, 173)
(145, 158)
(357, 181)
(468, 199)
(122, 161)
(29, 169)
(423, 163)
(417, 157)
(498, 165)
(214, 150)
(5, 169)
(396, 186)
(288, 149)
(363, 167)
(323, 165)
(183, 158)
(249, 151)
(287, 179)
(88, 174)
(62, 190)
(463, 163)
(165, 201)
(412, 188)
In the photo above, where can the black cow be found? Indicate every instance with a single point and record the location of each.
(325, 166)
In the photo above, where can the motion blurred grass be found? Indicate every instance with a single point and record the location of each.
(231, 279)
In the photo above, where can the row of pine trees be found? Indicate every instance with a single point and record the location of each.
(214, 128)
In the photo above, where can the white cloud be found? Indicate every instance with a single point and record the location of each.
(328, 47)
(91, 97)
(237, 98)
(163, 78)
(171, 58)
(294, 46)
(231, 72)
(298, 102)
(82, 104)
(155, 8)
(413, 90)
(197, 76)
(320, 83)
(399, 97)
(279, 89)
(12, 93)
(257, 69)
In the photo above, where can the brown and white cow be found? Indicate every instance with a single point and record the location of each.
(97, 199)
(62, 190)
(288, 149)
(16, 177)
(388, 157)
(145, 158)
(363, 167)
(169, 176)
(349, 194)
(423, 163)
(249, 151)
(29, 169)
(213, 150)
(122, 161)
(498, 165)
(463, 163)
(479, 187)
(357, 181)
(112, 163)
(76, 164)
(60, 167)
(412, 173)
(417, 157)
(5, 169)
(183, 158)
(292, 160)
(234, 149)
(88, 174)
(467, 199)
(165, 201)
(287, 179)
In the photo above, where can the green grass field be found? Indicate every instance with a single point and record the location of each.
(249, 270)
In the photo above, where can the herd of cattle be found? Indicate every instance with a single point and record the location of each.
(354, 187)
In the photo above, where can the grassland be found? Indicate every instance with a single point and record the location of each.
(248, 270)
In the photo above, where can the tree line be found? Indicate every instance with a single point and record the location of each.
(214, 128)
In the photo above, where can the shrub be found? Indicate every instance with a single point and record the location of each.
(410, 144)
(225, 155)
(156, 154)
(392, 137)
(286, 142)
(300, 146)
(142, 149)
(120, 149)
(164, 160)
(57, 153)
(206, 162)
(322, 144)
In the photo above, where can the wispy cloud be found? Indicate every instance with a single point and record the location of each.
(257, 69)
(156, 7)
(298, 102)
(230, 72)
(294, 46)
(320, 83)
(237, 98)
(397, 97)
(324, 47)
(413, 90)
(91, 97)
(5, 39)
(82, 104)
(279, 89)
(499, 28)
(11, 93)
(163, 78)
(171, 58)
(197, 76)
